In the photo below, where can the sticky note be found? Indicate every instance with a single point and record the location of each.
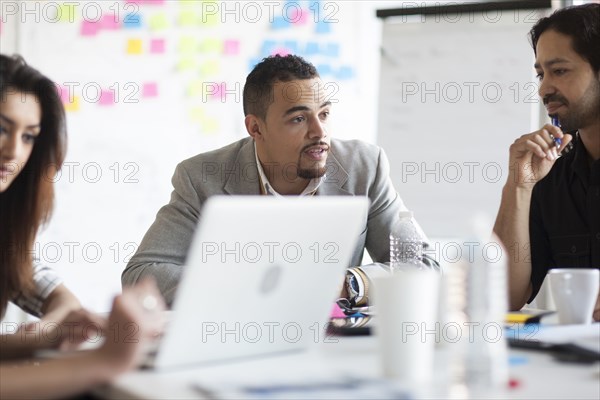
(210, 13)
(195, 88)
(332, 50)
(89, 28)
(132, 20)
(150, 89)
(281, 51)
(291, 45)
(279, 22)
(324, 69)
(109, 22)
(73, 106)
(345, 72)
(231, 47)
(323, 27)
(217, 91)
(158, 22)
(211, 46)
(186, 63)
(134, 46)
(187, 18)
(210, 125)
(299, 16)
(197, 114)
(210, 68)
(107, 98)
(312, 48)
(66, 13)
(157, 46)
(267, 47)
(155, 2)
(187, 45)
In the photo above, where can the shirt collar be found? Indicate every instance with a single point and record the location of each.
(266, 187)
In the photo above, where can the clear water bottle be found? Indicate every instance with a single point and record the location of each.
(406, 244)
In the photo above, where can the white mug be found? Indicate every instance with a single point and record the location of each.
(406, 317)
(575, 292)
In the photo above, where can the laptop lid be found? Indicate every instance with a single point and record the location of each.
(261, 276)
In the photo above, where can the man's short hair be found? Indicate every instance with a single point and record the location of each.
(581, 23)
(258, 90)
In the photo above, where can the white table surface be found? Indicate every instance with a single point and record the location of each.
(538, 375)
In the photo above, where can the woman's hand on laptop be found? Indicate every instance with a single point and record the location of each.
(136, 320)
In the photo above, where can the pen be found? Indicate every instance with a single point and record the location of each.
(556, 122)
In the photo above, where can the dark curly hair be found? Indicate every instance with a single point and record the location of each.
(581, 23)
(258, 90)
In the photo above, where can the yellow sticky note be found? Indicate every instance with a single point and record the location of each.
(188, 45)
(211, 45)
(187, 18)
(186, 64)
(195, 88)
(210, 68)
(72, 106)
(158, 22)
(66, 12)
(210, 126)
(134, 46)
(210, 13)
(197, 114)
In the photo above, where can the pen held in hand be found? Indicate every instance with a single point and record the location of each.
(556, 122)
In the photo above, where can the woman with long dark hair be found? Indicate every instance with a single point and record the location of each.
(32, 150)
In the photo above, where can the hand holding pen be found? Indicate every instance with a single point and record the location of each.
(533, 155)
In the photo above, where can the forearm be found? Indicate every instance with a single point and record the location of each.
(166, 275)
(56, 378)
(512, 228)
(59, 304)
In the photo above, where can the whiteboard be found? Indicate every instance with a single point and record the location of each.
(125, 142)
(455, 91)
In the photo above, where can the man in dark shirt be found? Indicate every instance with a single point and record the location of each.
(549, 215)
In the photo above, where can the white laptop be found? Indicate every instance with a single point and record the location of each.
(261, 277)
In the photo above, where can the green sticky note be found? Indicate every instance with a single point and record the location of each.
(158, 22)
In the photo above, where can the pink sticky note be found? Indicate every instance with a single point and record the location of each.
(138, 2)
(299, 16)
(150, 89)
(89, 28)
(110, 22)
(155, 2)
(157, 46)
(336, 312)
(63, 92)
(231, 47)
(107, 98)
(281, 51)
(219, 91)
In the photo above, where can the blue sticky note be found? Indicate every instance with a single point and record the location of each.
(132, 20)
(345, 72)
(252, 63)
(267, 47)
(517, 360)
(280, 22)
(324, 69)
(312, 48)
(323, 27)
(332, 50)
(291, 45)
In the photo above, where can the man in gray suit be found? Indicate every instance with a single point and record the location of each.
(289, 152)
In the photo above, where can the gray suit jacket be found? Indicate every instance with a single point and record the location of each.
(354, 168)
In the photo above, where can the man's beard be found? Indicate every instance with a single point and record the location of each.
(585, 111)
(311, 173)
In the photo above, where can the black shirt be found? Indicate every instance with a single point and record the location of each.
(564, 218)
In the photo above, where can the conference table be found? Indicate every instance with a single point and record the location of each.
(533, 374)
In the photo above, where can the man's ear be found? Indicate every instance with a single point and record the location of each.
(253, 126)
